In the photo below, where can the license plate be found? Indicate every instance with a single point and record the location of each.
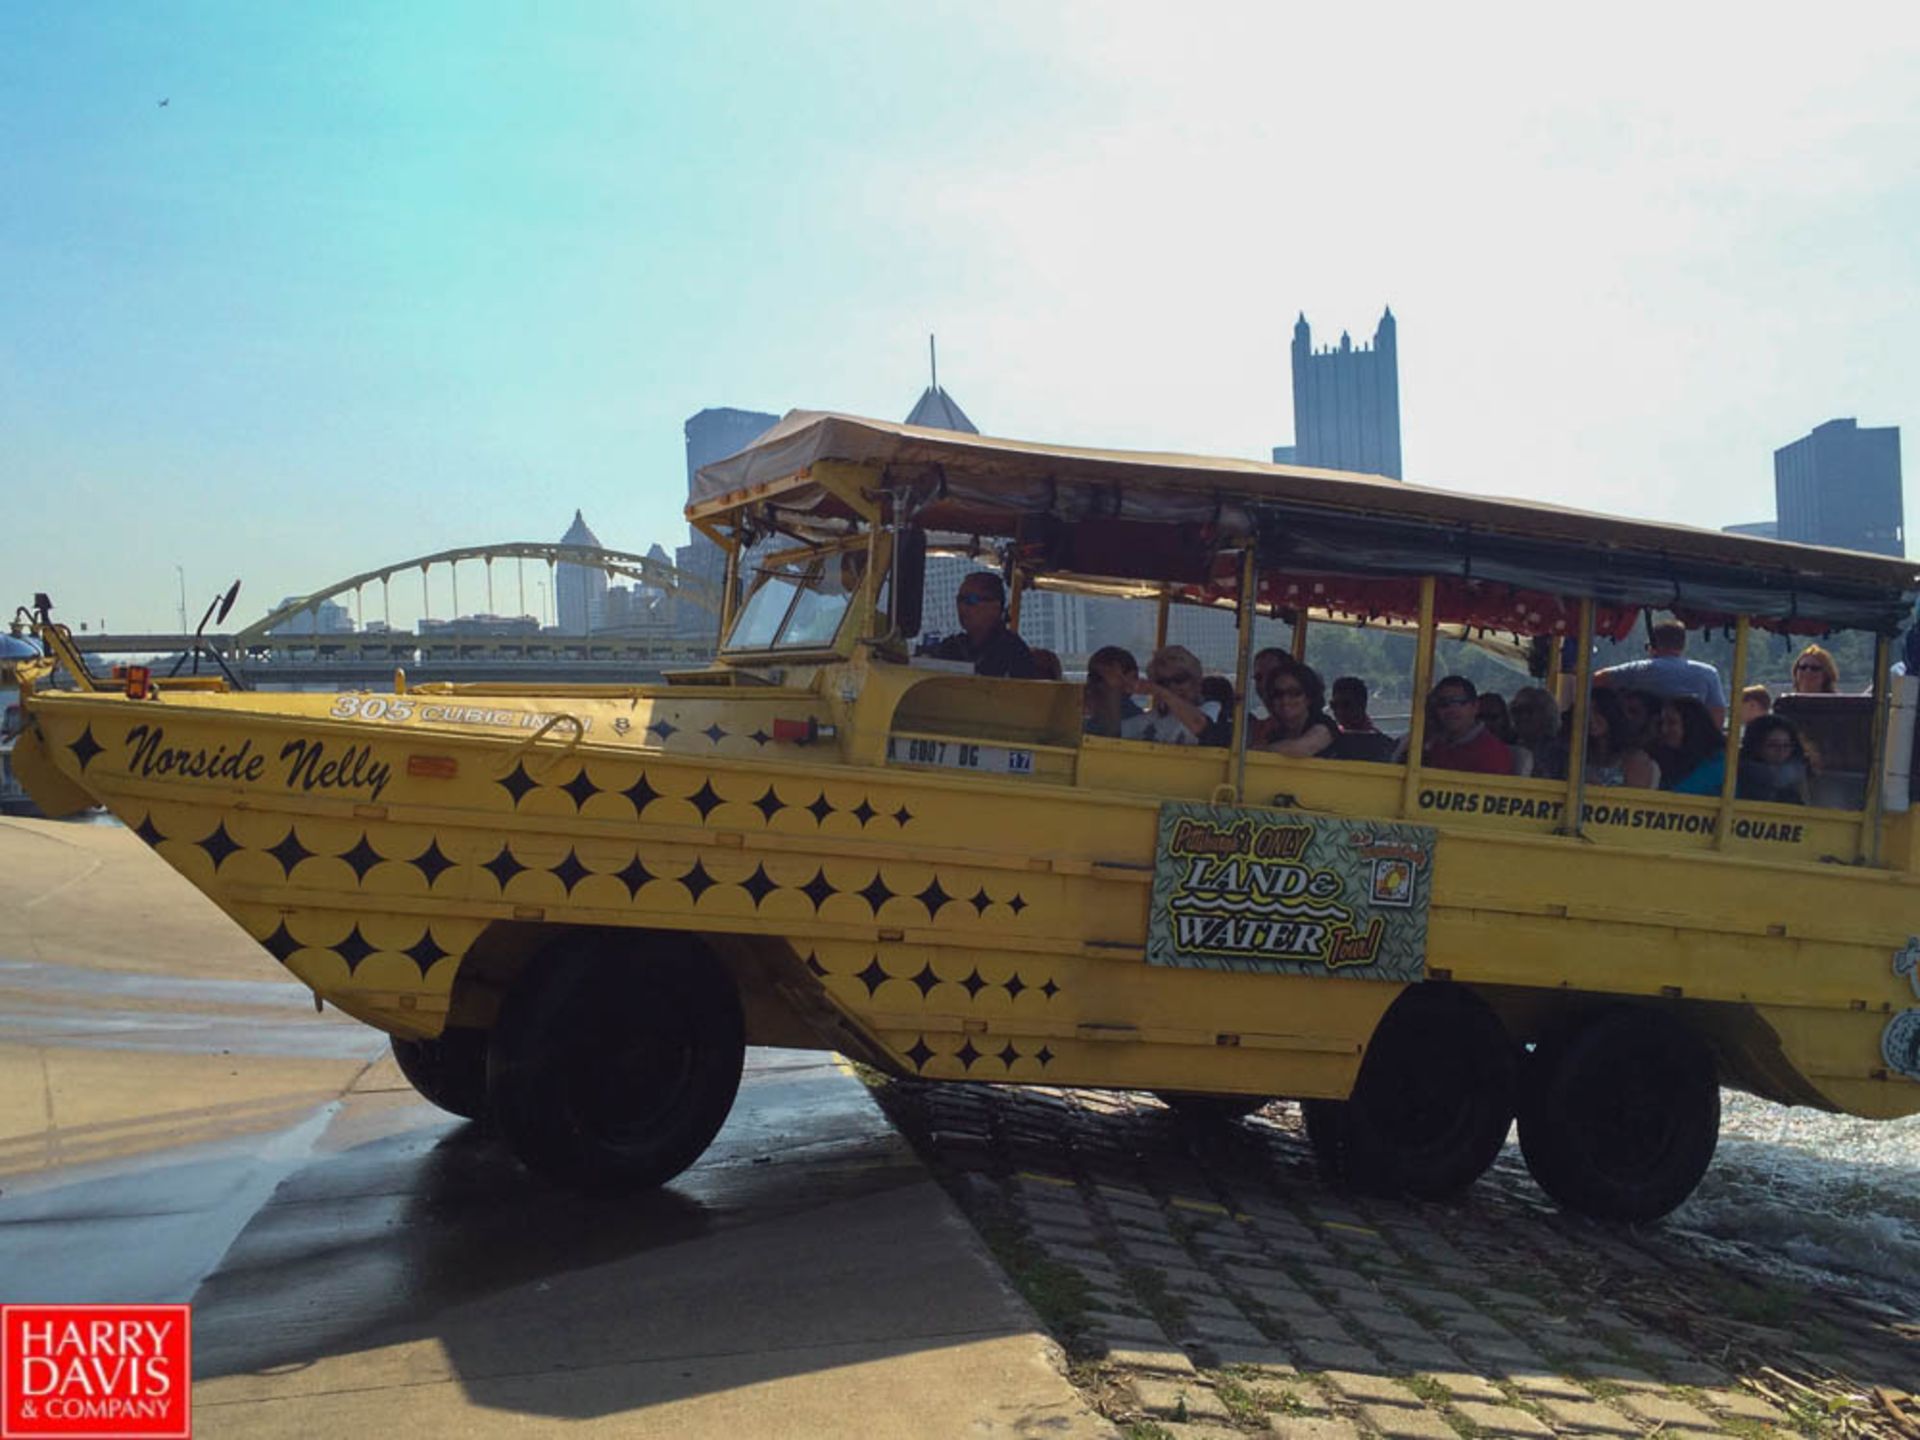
(959, 755)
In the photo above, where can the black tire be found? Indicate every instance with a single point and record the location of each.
(615, 1071)
(449, 1070)
(1433, 1101)
(1619, 1118)
(1211, 1109)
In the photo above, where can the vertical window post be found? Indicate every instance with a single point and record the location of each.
(1300, 633)
(1729, 783)
(1019, 591)
(1160, 620)
(1582, 703)
(1877, 756)
(730, 591)
(1422, 683)
(1243, 666)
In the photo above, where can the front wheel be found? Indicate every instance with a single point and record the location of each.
(616, 1071)
(1432, 1104)
(1620, 1118)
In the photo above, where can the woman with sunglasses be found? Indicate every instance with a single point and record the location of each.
(1176, 713)
(1296, 702)
(1815, 672)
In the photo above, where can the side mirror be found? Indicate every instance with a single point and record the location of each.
(909, 586)
(226, 602)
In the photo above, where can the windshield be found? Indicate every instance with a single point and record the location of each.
(798, 604)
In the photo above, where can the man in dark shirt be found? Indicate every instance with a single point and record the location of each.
(1359, 738)
(983, 637)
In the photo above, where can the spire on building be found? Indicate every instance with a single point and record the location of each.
(580, 533)
(936, 409)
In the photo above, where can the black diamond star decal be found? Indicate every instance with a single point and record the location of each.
(933, 897)
(920, 1054)
(570, 872)
(759, 737)
(769, 804)
(661, 728)
(431, 863)
(580, 788)
(813, 964)
(820, 809)
(219, 845)
(641, 794)
(362, 858)
(973, 984)
(817, 889)
(86, 747)
(758, 885)
(1015, 986)
(518, 783)
(1016, 904)
(704, 800)
(281, 943)
(1049, 989)
(966, 1054)
(714, 733)
(353, 949)
(697, 881)
(504, 866)
(146, 831)
(290, 852)
(876, 893)
(864, 812)
(872, 977)
(1008, 1055)
(634, 876)
(926, 979)
(1044, 1055)
(424, 951)
(980, 901)
(903, 815)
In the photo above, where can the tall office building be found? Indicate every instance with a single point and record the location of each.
(1346, 402)
(579, 591)
(1840, 485)
(713, 434)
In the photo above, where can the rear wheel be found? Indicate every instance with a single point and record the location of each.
(1620, 1117)
(612, 1070)
(450, 1070)
(1433, 1101)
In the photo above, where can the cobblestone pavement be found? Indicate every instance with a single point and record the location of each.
(1205, 1281)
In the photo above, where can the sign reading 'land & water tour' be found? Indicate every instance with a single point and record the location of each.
(1289, 894)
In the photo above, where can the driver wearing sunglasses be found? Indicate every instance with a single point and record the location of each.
(983, 637)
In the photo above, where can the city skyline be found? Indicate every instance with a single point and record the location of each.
(382, 281)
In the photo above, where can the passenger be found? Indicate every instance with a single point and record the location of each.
(1536, 730)
(1264, 662)
(1691, 752)
(1359, 737)
(1459, 741)
(1493, 715)
(1666, 671)
(1774, 764)
(1640, 713)
(1046, 666)
(1218, 690)
(1755, 701)
(1108, 699)
(1177, 713)
(1613, 757)
(983, 636)
(1815, 673)
(1296, 704)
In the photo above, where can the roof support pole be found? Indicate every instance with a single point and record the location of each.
(1730, 782)
(1160, 621)
(1577, 741)
(1019, 591)
(1877, 757)
(1300, 633)
(1422, 683)
(729, 596)
(1243, 668)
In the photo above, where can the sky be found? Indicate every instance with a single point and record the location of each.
(378, 280)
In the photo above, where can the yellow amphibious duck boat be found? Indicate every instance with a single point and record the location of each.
(573, 907)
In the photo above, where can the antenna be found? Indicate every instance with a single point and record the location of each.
(933, 364)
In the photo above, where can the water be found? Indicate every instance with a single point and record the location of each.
(1824, 1199)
